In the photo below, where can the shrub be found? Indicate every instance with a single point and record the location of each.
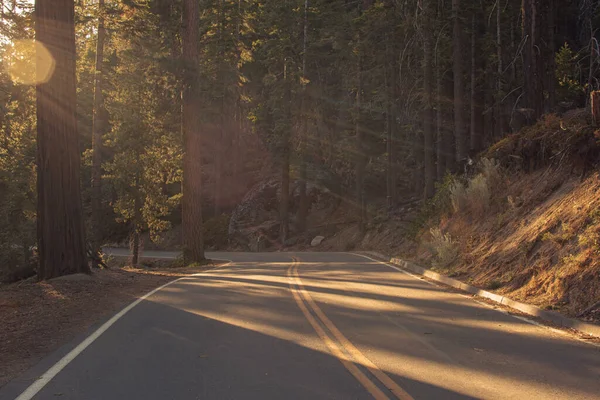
(458, 196)
(478, 194)
(490, 168)
(443, 248)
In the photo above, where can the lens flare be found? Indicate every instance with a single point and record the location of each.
(30, 63)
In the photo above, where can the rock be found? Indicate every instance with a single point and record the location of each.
(258, 212)
(317, 241)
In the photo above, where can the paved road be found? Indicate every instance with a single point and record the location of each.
(320, 326)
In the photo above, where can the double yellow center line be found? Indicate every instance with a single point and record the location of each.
(343, 349)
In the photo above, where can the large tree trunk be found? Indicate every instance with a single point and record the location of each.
(60, 230)
(98, 130)
(428, 154)
(193, 245)
(460, 134)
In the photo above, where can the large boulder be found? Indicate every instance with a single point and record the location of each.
(257, 215)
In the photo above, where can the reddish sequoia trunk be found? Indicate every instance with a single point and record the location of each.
(193, 245)
(60, 231)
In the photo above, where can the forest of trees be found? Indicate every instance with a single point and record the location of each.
(160, 112)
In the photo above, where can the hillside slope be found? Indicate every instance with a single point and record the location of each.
(525, 224)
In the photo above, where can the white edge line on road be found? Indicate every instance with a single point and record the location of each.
(471, 297)
(47, 376)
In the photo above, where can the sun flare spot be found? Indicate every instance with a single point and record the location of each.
(30, 63)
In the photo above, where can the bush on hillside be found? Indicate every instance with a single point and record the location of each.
(443, 248)
(458, 196)
(478, 195)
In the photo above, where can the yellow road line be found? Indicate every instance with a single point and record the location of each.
(350, 348)
(333, 348)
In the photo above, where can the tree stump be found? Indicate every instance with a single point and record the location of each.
(595, 103)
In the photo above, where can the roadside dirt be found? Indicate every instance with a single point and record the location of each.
(39, 317)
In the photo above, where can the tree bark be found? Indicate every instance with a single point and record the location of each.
(360, 157)
(460, 134)
(439, 120)
(303, 198)
(428, 153)
(477, 95)
(499, 108)
(284, 201)
(532, 65)
(137, 223)
(390, 85)
(595, 106)
(219, 143)
(550, 73)
(193, 245)
(60, 229)
(98, 130)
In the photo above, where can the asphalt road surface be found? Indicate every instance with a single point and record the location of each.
(315, 326)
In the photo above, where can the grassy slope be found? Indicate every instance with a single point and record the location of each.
(539, 239)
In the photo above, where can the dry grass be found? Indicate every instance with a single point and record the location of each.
(543, 249)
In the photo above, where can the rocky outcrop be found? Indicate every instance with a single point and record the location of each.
(257, 215)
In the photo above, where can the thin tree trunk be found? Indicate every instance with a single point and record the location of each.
(60, 230)
(528, 69)
(284, 201)
(137, 221)
(193, 245)
(550, 63)
(428, 154)
(439, 121)
(360, 158)
(389, 177)
(303, 201)
(477, 95)
(499, 86)
(98, 130)
(219, 143)
(459, 120)
(392, 128)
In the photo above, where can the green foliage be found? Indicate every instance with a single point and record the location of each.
(568, 75)
(17, 150)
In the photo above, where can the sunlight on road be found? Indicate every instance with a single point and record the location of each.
(237, 298)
